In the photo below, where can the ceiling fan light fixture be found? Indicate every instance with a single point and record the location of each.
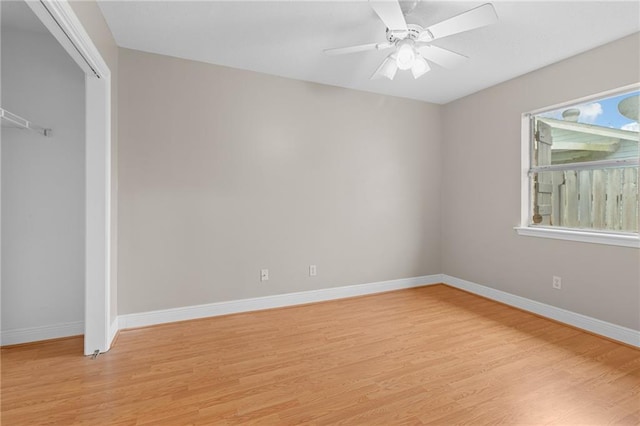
(412, 42)
(406, 54)
(420, 67)
(387, 69)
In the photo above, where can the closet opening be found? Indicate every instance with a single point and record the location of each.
(55, 178)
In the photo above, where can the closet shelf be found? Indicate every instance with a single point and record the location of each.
(10, 119)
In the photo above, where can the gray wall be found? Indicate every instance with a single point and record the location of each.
(223, 172)
(42, 183)
(481, 194)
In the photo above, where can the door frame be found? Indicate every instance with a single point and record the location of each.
(64, 25)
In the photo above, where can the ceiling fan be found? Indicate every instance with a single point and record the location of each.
(412, 43)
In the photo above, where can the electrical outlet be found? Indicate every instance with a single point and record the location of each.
(313, 271)
(264, 275)
(557, 282)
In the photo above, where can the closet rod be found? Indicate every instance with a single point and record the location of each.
(23, 123)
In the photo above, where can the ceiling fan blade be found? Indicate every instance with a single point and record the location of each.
(469, 20)
(387, 69)
(443, 57)
(390, 13)
(359, 48)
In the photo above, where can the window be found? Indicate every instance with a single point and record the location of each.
(580, 170)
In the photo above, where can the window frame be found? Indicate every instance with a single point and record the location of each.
(624, 239)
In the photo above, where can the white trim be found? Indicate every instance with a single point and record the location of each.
(66, 28)
(267, 302)
(525, 154)
(98, 214)
(34, 334)
(582, 236)
(113, 330)
(603, 328)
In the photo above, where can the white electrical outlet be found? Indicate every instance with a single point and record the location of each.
(264, 275)
(313, 271)
(557, 282)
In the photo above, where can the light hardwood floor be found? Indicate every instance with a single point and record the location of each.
(432, 355)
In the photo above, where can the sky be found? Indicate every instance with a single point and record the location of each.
(604, 113)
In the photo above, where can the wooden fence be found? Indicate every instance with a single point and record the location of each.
(600, 199)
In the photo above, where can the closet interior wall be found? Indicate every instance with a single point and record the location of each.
(43, 199)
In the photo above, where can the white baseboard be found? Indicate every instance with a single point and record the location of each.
(267, 302)
(603, 328)
(46, 332)
(113, 330)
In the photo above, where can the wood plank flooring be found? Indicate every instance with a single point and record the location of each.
(432, 355)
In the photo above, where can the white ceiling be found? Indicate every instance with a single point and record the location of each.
(286, 38)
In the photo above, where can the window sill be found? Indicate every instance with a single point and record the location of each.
(624, 240)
